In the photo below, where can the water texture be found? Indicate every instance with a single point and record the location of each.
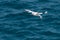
(16, 24)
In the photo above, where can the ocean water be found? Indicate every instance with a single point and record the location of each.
(16, 24)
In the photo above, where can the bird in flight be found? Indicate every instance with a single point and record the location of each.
(35, 13)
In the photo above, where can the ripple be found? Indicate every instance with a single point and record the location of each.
(16, 24)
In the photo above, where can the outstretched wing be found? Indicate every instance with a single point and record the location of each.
(28, 10)
(40, 13)
(40, 16)
(46, 12)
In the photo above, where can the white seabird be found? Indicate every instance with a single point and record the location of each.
(36, 13)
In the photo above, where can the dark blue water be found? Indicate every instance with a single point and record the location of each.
(16, 24)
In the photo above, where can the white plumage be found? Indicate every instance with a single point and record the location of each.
(35, 13)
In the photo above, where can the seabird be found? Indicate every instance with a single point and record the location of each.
(36, 13)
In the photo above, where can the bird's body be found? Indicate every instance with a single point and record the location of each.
(35, 13)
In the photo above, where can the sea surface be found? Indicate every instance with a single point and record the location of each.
(17, 24)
